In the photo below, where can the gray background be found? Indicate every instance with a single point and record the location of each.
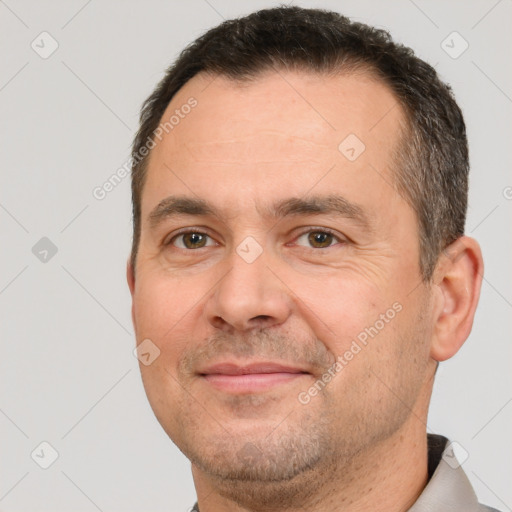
(67, 371)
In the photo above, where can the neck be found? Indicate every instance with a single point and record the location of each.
(389, 476)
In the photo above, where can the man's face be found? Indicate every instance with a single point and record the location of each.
(307, 247)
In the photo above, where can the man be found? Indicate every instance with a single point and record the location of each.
(299, 265)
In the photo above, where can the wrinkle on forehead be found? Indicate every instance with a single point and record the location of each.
(269, 146)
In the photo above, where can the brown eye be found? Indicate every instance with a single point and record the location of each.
(190, 240)
(317, 239)
(320, 239)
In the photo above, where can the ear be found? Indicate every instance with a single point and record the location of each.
(130, 277)
(458, 278)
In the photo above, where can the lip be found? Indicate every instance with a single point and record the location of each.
(228, 368)
(249, 378)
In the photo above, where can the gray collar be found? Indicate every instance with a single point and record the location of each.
(448, 489)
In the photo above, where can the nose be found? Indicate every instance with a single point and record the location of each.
(248, 296)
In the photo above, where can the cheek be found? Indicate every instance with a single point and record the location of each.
(383, 364)
(341, 308)
(164, 308)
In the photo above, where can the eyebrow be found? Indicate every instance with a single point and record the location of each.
(332, 204)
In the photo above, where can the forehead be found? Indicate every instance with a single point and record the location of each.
(281, 129)
(310, 110)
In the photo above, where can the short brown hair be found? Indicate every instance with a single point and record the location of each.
(433, 155)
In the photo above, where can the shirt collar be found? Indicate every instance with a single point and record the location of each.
(448, 489)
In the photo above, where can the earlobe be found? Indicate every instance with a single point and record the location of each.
(458, 278)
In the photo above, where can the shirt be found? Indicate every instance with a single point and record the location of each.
(448, 488)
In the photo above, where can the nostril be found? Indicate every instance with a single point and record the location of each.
(261, 321)
(261, 317)
(219, 323)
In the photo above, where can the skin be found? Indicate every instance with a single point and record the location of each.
(360, 442)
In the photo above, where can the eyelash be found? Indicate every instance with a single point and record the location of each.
(308, 230)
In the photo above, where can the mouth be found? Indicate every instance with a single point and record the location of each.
(250, 378)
